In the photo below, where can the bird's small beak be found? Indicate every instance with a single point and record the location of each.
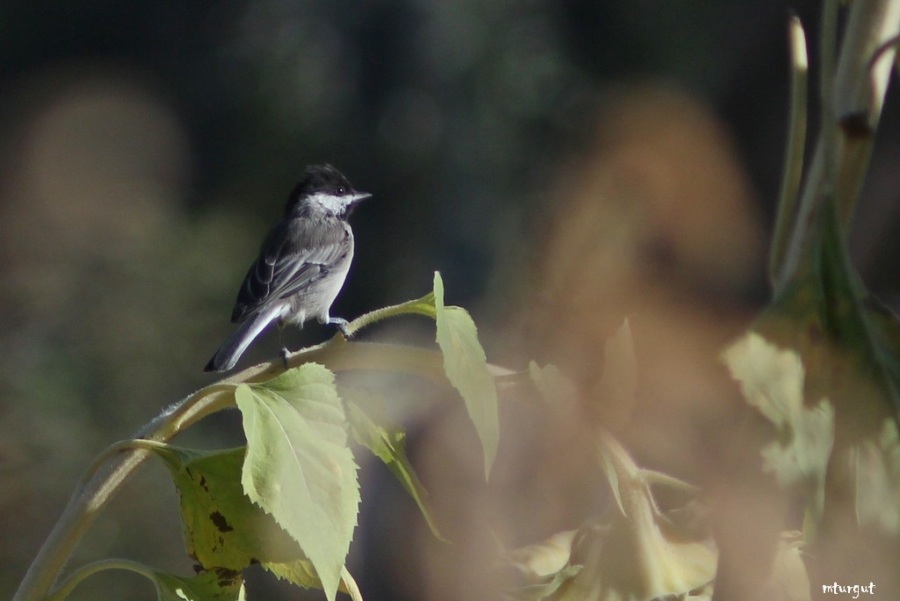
(359, 197)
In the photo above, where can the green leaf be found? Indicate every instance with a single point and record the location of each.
(298, 466)
(300, 572)
(389, 445)
(537, 562)
(209, 586)
(543, 567)
(466, 367)
(772, 380)
(544, 590)
(303, 574)
(223, 529)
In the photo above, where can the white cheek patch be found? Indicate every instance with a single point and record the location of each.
(330, 202)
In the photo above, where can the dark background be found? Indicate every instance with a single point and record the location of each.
(145, 147)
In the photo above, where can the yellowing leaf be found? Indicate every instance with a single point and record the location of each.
(772, 381)
(640, 554)
(545, 558)
(223, 529)
(298, 466)
(209, 586)
(877, 468)
(788, 580)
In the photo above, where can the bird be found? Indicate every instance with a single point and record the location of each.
(301, 267)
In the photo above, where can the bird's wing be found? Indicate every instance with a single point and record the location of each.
(290, 261)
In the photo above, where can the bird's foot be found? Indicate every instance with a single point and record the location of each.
(342, 324)
(284, 354)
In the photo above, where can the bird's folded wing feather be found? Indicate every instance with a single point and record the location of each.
(287, 265)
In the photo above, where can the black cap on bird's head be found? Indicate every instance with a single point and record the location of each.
(328, 188)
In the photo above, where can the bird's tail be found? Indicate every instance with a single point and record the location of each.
(235, 345)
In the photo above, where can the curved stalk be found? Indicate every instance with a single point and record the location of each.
(852, 99)
(84, 572)
(793, 158)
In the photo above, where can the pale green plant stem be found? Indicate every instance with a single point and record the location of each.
(82, 573)
(796, 146)
(828, 127)
(420, 307)
(854, 89)
(863, 73)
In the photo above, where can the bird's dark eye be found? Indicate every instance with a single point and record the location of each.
(341, 190)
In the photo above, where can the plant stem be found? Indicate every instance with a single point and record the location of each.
(423, 306)
(796, 145)
(861, 83)
(852, 100)
(90, 569)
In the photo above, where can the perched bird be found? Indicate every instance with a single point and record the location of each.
(301, 266)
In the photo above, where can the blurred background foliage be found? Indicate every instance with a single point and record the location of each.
(564, 164)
